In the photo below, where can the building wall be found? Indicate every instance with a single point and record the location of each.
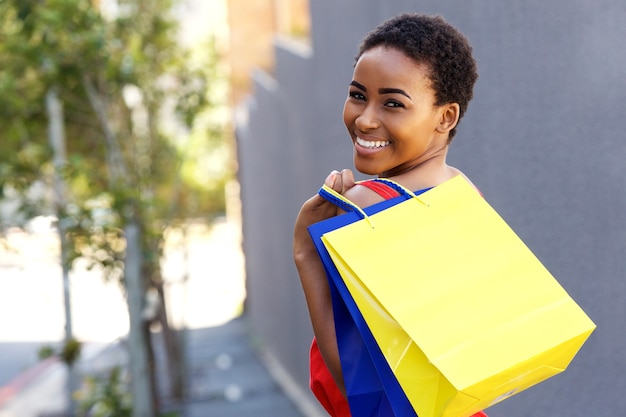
(253, 25)
(542, 139)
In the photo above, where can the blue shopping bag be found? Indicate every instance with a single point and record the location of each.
(371, 386)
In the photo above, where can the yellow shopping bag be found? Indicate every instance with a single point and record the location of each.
(462, 310)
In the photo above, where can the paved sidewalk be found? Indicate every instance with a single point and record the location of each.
(227, 378)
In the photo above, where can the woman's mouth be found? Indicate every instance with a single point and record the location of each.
(372, 144)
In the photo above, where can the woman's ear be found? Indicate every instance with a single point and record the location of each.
(449, 117)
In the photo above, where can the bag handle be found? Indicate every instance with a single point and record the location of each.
(341, 201)
(346, 204)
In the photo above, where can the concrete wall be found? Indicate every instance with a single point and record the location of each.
(543, 139)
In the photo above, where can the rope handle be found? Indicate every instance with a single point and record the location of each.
(347, 205)
(341, 201)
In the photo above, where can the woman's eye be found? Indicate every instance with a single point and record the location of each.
(357, 95)
(394, 103)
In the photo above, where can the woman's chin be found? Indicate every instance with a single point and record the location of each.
(366, 169)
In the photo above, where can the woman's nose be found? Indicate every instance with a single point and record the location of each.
(367, 120)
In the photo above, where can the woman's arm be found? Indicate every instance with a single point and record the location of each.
(312, 274)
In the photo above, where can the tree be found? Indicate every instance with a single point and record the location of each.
(117, 77)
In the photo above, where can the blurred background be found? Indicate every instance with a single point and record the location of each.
(155, 154)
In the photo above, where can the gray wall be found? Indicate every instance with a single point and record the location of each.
(543, 139)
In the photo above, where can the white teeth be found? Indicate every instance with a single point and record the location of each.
(372, 143)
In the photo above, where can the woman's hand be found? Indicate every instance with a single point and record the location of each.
(317, 208)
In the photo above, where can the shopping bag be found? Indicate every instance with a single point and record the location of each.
(463, 312)
(371, 387)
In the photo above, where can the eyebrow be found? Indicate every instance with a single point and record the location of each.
(382, 90)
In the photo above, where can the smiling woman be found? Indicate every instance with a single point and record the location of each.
(412, 81)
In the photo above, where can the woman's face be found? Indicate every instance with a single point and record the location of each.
(390, 113)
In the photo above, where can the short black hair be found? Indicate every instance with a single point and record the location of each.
(432, 41)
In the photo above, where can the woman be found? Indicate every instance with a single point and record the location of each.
(413, 79)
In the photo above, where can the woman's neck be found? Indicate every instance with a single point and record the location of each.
(429, 173)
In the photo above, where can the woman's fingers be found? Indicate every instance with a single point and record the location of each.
(331, 180)
(340, 181)
(347, 180)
